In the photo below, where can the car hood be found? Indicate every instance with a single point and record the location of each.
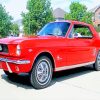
(17, 40)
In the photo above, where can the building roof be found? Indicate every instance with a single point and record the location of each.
(59, 13)
(95, 8)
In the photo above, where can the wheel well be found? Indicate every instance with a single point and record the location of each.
(47, 55)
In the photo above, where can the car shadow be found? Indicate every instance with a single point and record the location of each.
(18, 80)
(23, 79)
(72, 73)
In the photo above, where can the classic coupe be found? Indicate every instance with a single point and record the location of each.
(59, 45)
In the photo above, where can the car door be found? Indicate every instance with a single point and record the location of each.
(80, 48)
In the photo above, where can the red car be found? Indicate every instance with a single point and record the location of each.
(58, 46)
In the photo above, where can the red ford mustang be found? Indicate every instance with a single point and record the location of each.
(58, 46)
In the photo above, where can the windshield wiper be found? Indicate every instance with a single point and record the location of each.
(46, 34)
(50, 34)
(38, 35)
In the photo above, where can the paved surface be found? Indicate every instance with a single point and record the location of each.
(77, 84)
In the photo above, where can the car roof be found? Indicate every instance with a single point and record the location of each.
(72, 21)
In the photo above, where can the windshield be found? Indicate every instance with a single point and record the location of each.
(56, 29)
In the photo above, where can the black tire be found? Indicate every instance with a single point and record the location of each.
(97, 62)
(10, 74)
(41, 74)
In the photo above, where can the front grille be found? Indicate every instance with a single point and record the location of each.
(3, 48)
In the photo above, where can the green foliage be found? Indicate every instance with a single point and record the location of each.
(83, 30)
(5, 22)
(39, 13)
(15, 29)
(79, 12)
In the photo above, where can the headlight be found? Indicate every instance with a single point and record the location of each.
(18, 50)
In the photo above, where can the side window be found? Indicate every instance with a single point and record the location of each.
(80, 31)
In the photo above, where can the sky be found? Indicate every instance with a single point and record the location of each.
(15, 7)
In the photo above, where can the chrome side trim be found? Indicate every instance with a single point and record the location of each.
(73, 66)
(15, 61)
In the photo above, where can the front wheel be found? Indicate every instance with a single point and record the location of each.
(97, 63)
(41, 74)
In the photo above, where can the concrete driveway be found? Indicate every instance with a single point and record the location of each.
(76, 84)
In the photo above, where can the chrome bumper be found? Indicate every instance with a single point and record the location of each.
(15, 61)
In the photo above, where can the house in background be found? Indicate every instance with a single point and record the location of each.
(19, 23)
(21, 30)
(96, 16)
(59, 14)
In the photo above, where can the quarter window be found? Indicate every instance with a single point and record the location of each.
(80, 31)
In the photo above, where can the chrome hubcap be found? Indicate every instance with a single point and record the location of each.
(42, 72)
(98, 59)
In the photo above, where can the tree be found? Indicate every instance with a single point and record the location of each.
(15, 29)
(79, 12)
(5, 22)
(39, 13)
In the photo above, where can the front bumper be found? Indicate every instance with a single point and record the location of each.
(15, 61)
(13, 65)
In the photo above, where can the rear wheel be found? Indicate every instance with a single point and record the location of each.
(41, 74)
(10, 74)
(97, 63)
